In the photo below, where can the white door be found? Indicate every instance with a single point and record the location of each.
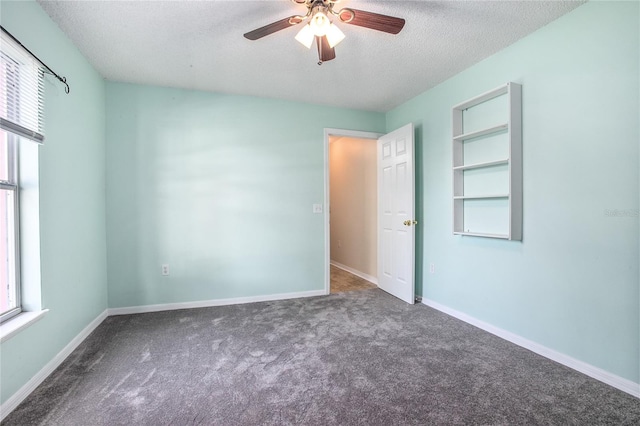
(396, 217)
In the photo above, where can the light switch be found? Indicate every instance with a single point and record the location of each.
(317, 208)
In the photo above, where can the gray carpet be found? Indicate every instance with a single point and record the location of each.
(358, 358)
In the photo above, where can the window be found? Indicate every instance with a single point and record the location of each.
(9, 229)
(21, 122)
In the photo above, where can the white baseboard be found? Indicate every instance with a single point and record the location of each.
(618, 382)
(372, 280)
(208, 303)
(15, 399)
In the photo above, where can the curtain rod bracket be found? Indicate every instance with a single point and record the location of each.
(48, 70)
(63, 80)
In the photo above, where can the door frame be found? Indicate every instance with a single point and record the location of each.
(329, 132)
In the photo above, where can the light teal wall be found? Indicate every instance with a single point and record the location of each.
(72, 201)
(220, 188)
(572, 283)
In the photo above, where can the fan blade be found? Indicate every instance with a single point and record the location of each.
(375, 21)
(272, 28)
(325, 52)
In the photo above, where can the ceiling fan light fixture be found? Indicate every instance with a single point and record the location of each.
(334, 35)
(320, 29)
(306, 36)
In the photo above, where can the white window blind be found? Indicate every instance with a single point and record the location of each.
(21, 91)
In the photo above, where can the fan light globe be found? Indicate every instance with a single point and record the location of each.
(305, 36)
(320, 24)
(334, 35)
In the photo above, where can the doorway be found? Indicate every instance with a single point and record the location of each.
(395, 213)
(351, 197)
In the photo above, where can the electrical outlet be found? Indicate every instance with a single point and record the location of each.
(165, 269)
(432, 268)
(317, 208)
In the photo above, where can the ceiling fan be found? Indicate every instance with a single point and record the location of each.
(320, 28)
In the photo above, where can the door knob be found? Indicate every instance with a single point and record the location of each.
(410, 222)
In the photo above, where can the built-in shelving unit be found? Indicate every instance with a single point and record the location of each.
(487, 164)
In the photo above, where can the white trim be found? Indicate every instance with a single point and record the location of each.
(15, 399)
(371, 279)
(208, 303)
(604, 376)
(11, 327)
(328, 132)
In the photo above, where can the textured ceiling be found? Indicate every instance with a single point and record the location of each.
(199, 45)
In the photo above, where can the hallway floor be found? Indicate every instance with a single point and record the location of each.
(342, 281)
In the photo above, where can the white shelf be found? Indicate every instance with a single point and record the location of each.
(483, 132)
(482, 165)
(479, 197)
(498, 213)
(498, 91)
(478, 234)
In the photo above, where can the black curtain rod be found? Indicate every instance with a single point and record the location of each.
(50, 71)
